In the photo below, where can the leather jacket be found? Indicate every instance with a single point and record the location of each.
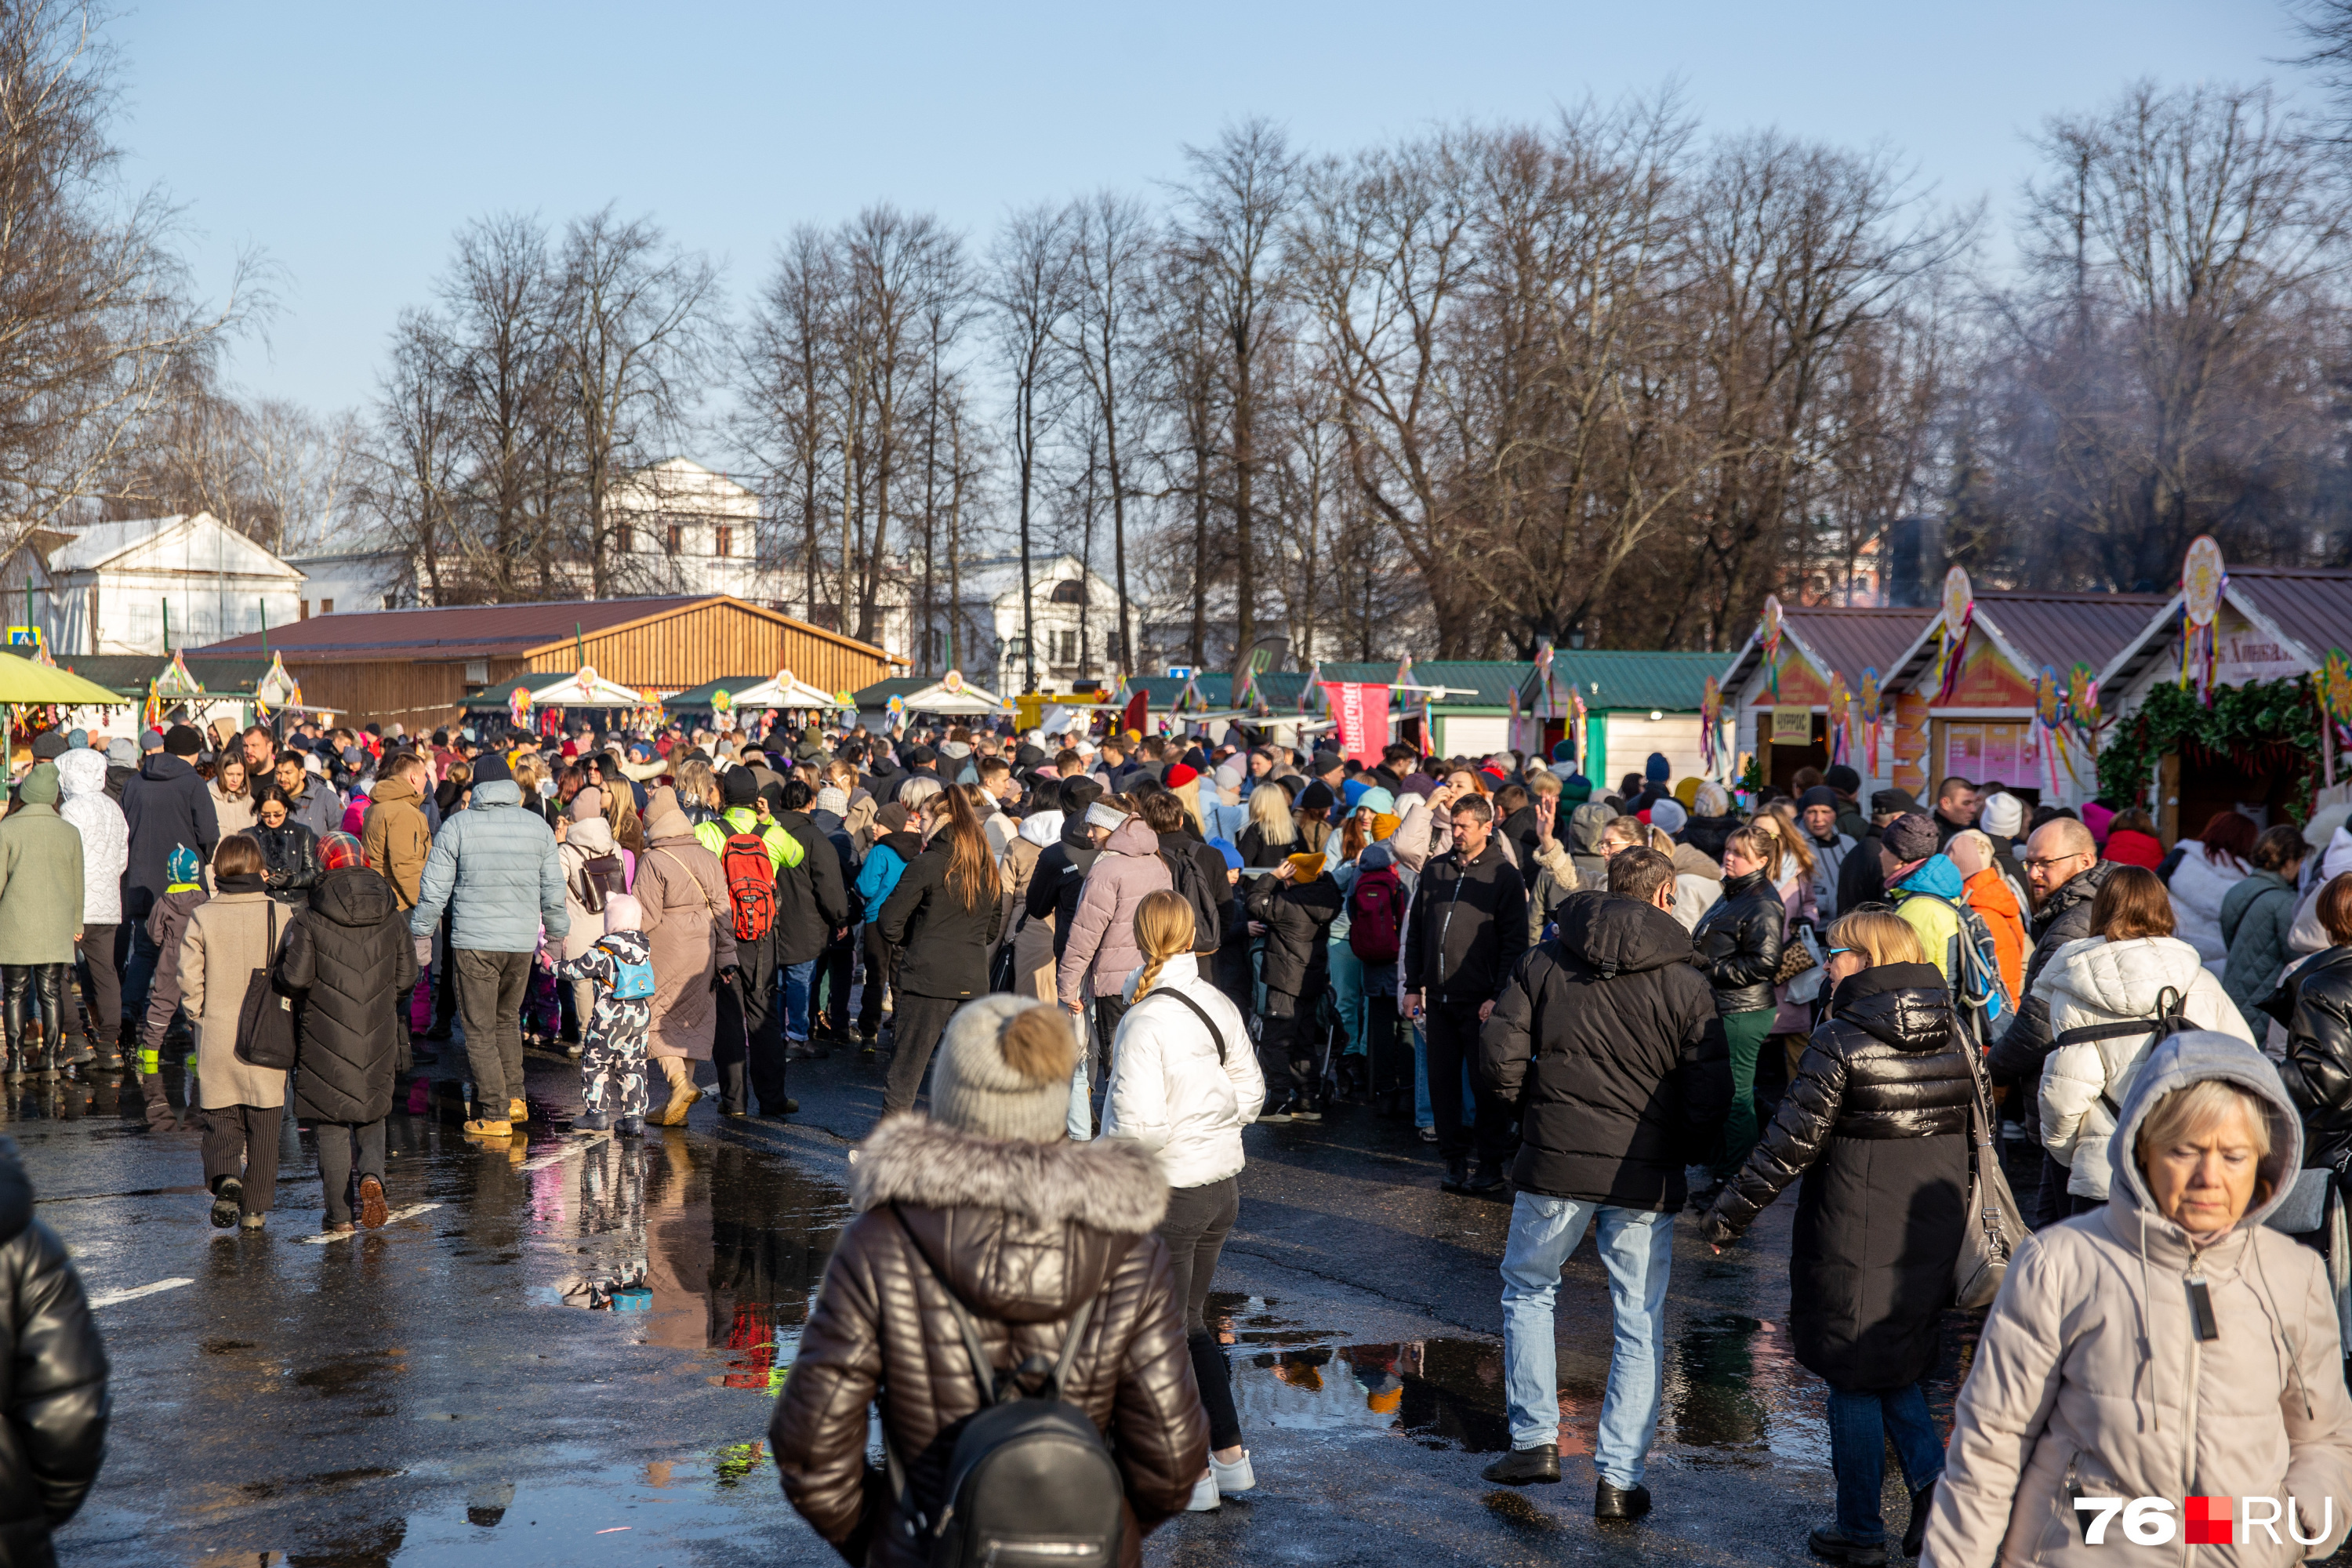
(53, 1378)
(1739, 943)
(2315, 1003)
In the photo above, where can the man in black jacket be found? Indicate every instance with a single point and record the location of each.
(1467, 926)
(2064, 874)
(1608, 1041)
(166, 806)
(811, 912)
(1861, 879)
(53, 1377)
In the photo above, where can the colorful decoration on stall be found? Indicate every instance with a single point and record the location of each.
(2203, 580)
(1710, 723)
(1841, 719)
(2083, 706)
(2049, 716)
(1952, 631)
(518, 706)
(276, 689)
(1772, 618)
(952, 683)
(2335, 688)
(1872, 715)
(722, 701)
(550, 721)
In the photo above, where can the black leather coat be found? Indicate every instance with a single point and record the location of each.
(1877, 1123)
(53, 1379)
(2315, 1003)
(289, 856)
(1739, 942)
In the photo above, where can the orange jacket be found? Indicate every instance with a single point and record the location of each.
(1989, 895)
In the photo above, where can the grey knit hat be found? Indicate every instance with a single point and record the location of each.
(1910, 837)
(1003, 1069)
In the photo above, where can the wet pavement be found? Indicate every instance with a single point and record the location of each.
(565, 1351)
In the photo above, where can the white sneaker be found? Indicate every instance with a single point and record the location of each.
(1204, 1495)
(1233, 1478)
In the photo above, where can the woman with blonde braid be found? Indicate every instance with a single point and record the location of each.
(1183, 1083)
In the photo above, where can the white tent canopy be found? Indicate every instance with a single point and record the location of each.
(584, 689)
(785, 689)
(951, 695)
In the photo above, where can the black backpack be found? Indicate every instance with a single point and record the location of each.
(1184, 872)
(1030, 1482)
(2171, 1018)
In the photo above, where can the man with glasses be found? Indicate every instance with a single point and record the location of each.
(2064, 874)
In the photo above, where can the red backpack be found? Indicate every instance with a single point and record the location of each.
(751, 884)
(1376, 916)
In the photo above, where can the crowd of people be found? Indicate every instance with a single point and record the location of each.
(1092, 963)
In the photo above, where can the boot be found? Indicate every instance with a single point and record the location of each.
(14, 978)
(1457, 1173)
(1616, 1502)
(682, 1092)
(48, 998)
(1523, 1466)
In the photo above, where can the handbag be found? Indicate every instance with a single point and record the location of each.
(1806, 984)
(1994, 1225)
(1798, 955)
(265, 1020)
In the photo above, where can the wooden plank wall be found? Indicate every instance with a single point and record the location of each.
(714, 642)
(418, 694)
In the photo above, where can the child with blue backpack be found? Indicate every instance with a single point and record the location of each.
(619, 967)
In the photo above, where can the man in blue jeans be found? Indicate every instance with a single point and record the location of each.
(1607, 1040)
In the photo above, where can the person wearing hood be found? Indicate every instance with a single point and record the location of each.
(1711, 822)
(2258, 918)
(885, 861)
(1817, 816)
(2166, 1344)
(105, 853)
(1584, 825)
(1099, 951)
(1876, 1122)
(615, 967)
(53, 1380)
(494, 867)
(42, 893)
(686, 912)
(1293, 907)
(2128, 969)
(227, 937)
(983, 1225)
(594, 873)
(1608, 1044)
(166, 806)
(1739, 943)
(350, 959)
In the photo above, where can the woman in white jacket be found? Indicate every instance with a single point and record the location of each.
(1184, 1081)
(2210, 865)
(2119, 974)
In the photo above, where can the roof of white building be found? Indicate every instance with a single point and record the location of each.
(181, 542)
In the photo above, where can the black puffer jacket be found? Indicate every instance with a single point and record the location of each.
(1739, 942)
(1708, 833)
(53, 1378)
(2315, 1003)
(290, 857)
(1298, 917)
(164, 806)
(811, 901)
(1060, 877)
(351, 957)
(1466, 927)
(1877, 1123)
(946, 945)
(1609, 1043)
(2063, 917)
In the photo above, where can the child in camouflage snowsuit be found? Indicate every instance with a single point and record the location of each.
(166, 923)
(612, 1047)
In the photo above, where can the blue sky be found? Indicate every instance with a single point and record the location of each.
(349, 141)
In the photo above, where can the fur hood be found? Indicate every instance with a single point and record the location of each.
(1107, 1185)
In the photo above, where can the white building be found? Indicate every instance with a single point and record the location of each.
(1074, 612)
(680, 528)
(356, 580)
(146, 585)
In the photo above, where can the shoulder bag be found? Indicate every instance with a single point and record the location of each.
(265, 1020)
(1994, 1225)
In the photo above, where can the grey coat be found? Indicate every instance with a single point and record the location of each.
(40, 886)
(494, 865)
(2256, 916)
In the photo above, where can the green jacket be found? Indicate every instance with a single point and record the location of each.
(40, 886)
(2256, 916)
(784, 849)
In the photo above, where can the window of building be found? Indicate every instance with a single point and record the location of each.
(726, 541)
(326, 606)
(388, 602)
(676, 536)
(305, 613)
(624, 539)
(1069, 591)
(1065, 647)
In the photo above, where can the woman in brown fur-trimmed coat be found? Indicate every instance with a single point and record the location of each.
(987, 1199)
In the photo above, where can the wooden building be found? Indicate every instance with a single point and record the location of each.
(416, 667)
(1779, 708)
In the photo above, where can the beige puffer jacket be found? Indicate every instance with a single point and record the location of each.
(2089, 1372)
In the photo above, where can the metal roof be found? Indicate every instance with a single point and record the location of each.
(1846, 638)
(874, 697)
(2052, 629)
(481, 631)
(130, 672)
(1624, 679)
(2309, 607)
(697, 699)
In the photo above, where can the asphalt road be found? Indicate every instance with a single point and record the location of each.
(443, 1386)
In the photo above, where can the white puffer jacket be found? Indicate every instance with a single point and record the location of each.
(2199, 886)
(105, 836)
(1168, 1090)
(2094, 982)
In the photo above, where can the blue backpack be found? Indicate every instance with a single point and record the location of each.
(631, 982)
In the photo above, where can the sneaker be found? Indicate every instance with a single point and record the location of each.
(1278, 1112)
(484, 1128)
(631, 1127)
(1428, 1134)
(1237, 1476)
(1834, 1546)
(227, 1198)
(1306, 1108)
(517, 1111)
(1204, 1495)
(593, 1122)
(1524, 1467)
(373, 1210)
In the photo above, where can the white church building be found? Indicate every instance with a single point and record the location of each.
(145, 585)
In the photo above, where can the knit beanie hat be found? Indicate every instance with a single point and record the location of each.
(122, 751)
(623, 912)
(181, 740)
(835, 799)
(49, 745)
(1379, 802)
(1375, 857)
(40, 785)
(1304, 869)
(1657, 770)
(182, 866)
(1842, 779)
(1687, 791)
(1003, 1069)
(339, 851)
(491, 767)
(738, 787)
(1910, 837)
(1668, 816)
(2004, 814)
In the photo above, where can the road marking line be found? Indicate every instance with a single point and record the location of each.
(578, 1142)
(111, 1297)
(325, 1236)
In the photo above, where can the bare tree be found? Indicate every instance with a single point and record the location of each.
(1112, 239)
(1029, 288)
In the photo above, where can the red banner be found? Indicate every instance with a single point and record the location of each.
(1363, 714)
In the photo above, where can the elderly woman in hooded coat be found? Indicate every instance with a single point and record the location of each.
(2165, 1345)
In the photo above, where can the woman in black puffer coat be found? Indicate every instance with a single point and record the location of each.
(1294, 904)
(53, 1379)
(2314, 1001)
(1877, 1123)
(350, 958)
(1738, 942)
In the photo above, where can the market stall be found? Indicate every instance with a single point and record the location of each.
(549, 704)
(953, 696)
(1619, 706)
(1803, 691)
